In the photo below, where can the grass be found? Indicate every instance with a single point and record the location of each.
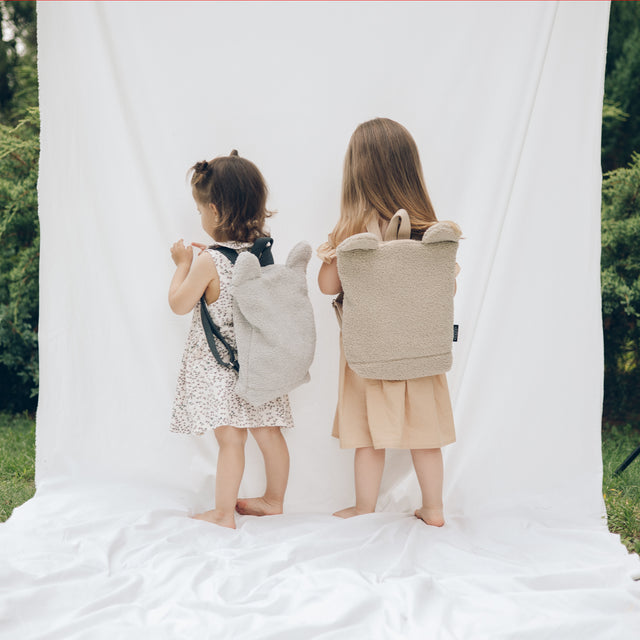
(17, 461)
(621, 493)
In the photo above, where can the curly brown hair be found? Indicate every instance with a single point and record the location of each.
(237, 189)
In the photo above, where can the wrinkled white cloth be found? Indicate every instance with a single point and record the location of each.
(130, 565)
(504, 101)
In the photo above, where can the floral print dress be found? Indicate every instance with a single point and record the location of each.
(205, 396)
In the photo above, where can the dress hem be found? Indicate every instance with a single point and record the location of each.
(200, 433)
(392, 445)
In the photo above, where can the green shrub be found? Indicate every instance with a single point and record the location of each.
(621, 136)
(621, 290)
(19, 262)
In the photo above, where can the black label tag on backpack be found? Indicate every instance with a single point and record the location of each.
(455, 333)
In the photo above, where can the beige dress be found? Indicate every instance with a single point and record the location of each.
(391, 414)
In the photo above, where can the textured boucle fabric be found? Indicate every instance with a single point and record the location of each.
(274, 325)
(397, 321)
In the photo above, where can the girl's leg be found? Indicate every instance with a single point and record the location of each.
(429, 469)
(368, 465)
(228, 476)
(276, 464)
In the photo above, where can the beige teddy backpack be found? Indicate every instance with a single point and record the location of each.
(397, 312)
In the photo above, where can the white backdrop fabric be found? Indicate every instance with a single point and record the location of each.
(504, 100)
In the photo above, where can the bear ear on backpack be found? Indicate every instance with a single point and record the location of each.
(299, 257)
(361, 241)
(247, 268)
(442, 232)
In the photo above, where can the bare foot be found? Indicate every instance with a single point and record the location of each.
(350, 512)
(215, 517)
(258, 507)
(434, 517)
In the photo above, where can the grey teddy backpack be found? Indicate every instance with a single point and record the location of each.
(397, 311)
(273, 322)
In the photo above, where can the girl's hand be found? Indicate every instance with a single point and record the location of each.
(181, 254)
(199, 245)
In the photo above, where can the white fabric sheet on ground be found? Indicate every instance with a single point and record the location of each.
(504, 101)
(111, 563)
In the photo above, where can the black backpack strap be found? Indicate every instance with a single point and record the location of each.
(212, 330)
(229, 253)
(212, 333)
(262, 250)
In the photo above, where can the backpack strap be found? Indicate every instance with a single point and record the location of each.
(229, 253)
(212, 330)
(399, 227)
(261, 248)
(212, 333)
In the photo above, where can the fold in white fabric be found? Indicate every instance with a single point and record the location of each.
(504, 100)
(106, 563)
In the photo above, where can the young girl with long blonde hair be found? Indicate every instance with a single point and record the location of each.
(382, 174)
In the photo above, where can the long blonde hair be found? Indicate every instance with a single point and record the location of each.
(382, 173)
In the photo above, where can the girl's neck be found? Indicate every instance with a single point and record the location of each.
(225, 240)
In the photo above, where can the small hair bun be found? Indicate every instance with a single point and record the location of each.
(234, 153)
(201, 167)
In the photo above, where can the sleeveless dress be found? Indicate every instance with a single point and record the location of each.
(205, 397)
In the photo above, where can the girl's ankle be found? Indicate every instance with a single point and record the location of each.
(273, 502)
(361, 511)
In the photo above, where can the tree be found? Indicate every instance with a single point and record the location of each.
(19, 262)
(620, 265)
(621, 136)
(18, 76)
(620, 262)
(19, 229)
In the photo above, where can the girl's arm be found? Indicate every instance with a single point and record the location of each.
(328, 279)
(190, 281)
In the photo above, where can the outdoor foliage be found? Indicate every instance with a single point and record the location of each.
(621, 136)
(621, 215)
(19, 253)
(18, 76)
(19, 230)
(621, 290)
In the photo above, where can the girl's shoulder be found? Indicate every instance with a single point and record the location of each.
(220, 257)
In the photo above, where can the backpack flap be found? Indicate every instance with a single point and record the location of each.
(398, 303)
(274, 325)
